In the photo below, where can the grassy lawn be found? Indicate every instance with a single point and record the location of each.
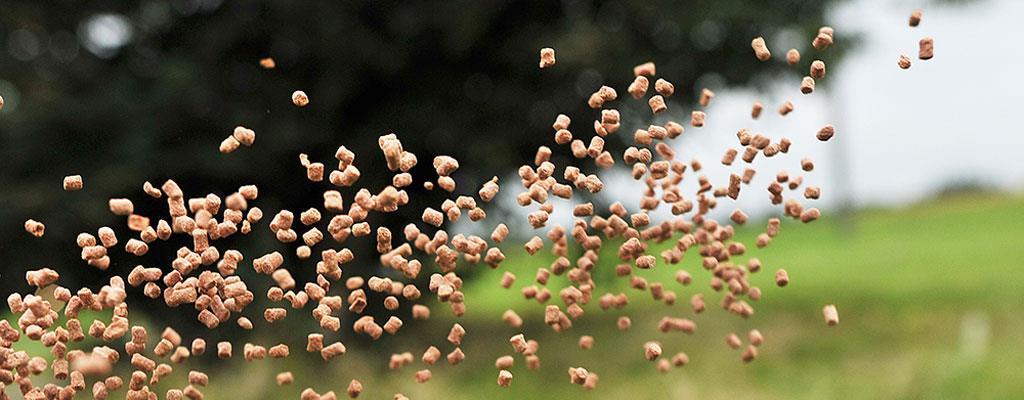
(929, 299)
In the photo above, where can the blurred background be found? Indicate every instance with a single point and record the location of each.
(921, 187)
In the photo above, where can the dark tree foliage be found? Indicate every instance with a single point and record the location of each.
(449, 77)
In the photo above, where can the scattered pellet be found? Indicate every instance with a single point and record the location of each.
(903, 62)
(638, 88)
(786, 108)
(504, 378)
(652, 350)
(755, 337)
(760, 49)
(697, 118)
(792, 57)
(244, 136)
(647, 68)
(547, 57)
(72, 182)
(35, 228)
(657, 104)
(817, 70)
(664, 87)
(831, 315)
(300, 99)
(807, 85)
(781, 278)
(809, 215)
(823, 40)
(927, 48)
(749, 354)
(706, 96)
(586, 342)
(915, 18)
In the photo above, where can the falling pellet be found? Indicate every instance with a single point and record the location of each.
(547, 57)
(760, 49)
(927, 48)
(831, 315)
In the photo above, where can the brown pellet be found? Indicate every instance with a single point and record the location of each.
(817, 70)
(504, 378)
(706, 95)
(455, 356)
(561, 122)
(781, 278)
(903, 62)
(586, 342)
(504, 362)
(198, 378)
(623, 323)
(431, 355)
(809, 215)
(927, 48)
(420, 311)
(652, 350)
(512, 319)
(760, 49)
(738, 216)
(423, 375)
(285, 378)
(518, 343)
(547, 57)
(822, 41)
(456, 334)
(224, 349)
(35, 228)
(243, 135)
(786, 108)
(229, 145)
(73, 182)
(299, 98)
(826, 132)
(749, 354)
(638, 88)
(831, 315)
(792, 57)
(657, 104)
(697, 118)
(807, 164)
(433, 217)
(755, 337)
(807, 85)
(354, 389)
(915, 18)
(733, 341)
(664, 87)
(755, 111)
(647, 68)
(333, 350)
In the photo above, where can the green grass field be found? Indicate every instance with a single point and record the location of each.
(929, 299)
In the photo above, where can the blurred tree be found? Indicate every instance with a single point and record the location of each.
(124, 92)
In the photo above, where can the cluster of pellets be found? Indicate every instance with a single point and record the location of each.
(926, 46)
(202, 277)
